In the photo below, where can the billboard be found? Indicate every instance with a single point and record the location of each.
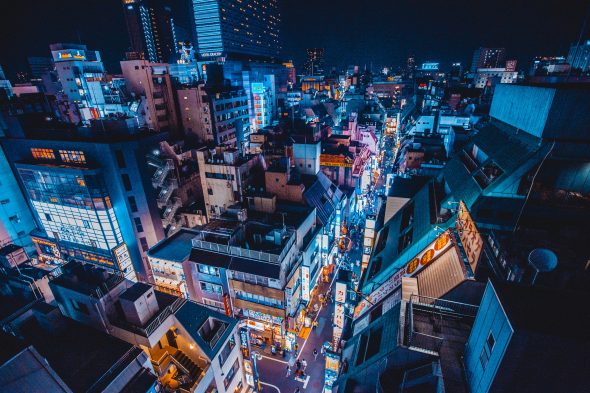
(334, 160)
(257, 88)
(340, 292)
(68, 55)
(434, 249)
(305, 283)
(469, 235)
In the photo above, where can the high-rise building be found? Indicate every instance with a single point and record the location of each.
(579, 56)
(314, 61)
(236, 29)
(150, 83)
(151, 29)
(488, 58)
(90, 193)
(39, 66)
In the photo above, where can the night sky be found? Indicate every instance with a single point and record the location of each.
(360, 32)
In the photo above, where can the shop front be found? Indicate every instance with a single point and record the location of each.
(265, 330)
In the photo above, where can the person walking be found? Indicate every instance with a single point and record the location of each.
(288, 370)
(299, 365)
(315, 354)
(304, 364)
(323, 350)
(297, 390)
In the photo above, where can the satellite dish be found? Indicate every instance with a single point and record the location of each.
(543, 259)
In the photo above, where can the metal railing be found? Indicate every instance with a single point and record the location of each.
(155, 323)
(447, 307)
(121, 364)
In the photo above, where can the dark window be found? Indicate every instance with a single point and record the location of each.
(360, 357)
(144, 244)
(138, 225)
(491, 341)
(374, 343)
(224, 354)
(47, 217)
(126, 181)
(231, 374)
(120, 158)
(132, 204)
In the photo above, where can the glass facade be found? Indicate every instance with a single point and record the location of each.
(75, 211)
(236, 26)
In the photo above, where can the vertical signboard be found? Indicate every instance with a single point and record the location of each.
(305, 283)
(469, 235)
(340, 292)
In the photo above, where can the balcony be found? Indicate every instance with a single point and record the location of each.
(161, 173)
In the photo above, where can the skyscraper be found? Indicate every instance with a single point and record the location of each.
(579, 56)
(488, 58)
(236, 29)
(314, 61)
(151, 28)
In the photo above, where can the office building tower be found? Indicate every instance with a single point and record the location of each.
(150, 83)
(39, 66)
(90, 192)
(579, 56)
(5, 85)
(236, 29)
(456, 71)
(488, 58)
(151, 29)
(314, 61)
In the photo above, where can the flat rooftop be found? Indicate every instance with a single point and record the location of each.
(86, 278)
(174, 248)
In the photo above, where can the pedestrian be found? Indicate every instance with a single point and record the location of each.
(297, 390)
(304, 364)
(315, 354)
(298, 364)
(323, 350)
(288, 370)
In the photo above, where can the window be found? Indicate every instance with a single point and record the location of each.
(126, 181)
(43, 154)
(138, 225)
(120, 159)
(47, 217)
(209, 287)
(224, 354)
(144, 244)
(213, 271)
(491, 341)
(231, 373)
(132, 204)
(483, 358)
(72, 156)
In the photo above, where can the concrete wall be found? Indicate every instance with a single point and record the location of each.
(523, 107)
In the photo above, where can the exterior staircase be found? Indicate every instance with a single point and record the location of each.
(188, 366)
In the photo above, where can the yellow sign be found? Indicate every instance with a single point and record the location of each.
(333, 160)
(469, 235)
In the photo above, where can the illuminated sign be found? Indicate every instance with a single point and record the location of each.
(211, 54)
(340, 292)
(332, 361)
(333, 160)
(227, 305)
(123, 259)
(244, 342)
(255, 325)
(305, 283)
(257, 88)
(339, 315)
(69, 54)
(437, 247)
(430, 66)
(469, 235)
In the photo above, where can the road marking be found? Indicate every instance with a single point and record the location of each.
(306, 381)
(276, 360)
(272, 386)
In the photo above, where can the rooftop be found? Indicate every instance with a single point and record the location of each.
(87, 279)
(193, 316)
(174, 248)
(80, 355)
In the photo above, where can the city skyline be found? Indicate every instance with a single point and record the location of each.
(373, 34)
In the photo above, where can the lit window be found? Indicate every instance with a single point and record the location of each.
(43, 154)
(73, 156)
